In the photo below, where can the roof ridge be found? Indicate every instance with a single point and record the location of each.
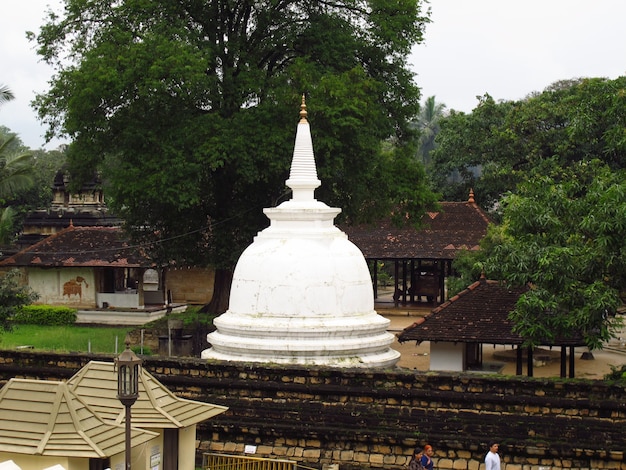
(71, 405)
(480, 212)
(144, 376)
(32, 248)
(447, 303)
(52, 418)
(454, 298)
(155, 403)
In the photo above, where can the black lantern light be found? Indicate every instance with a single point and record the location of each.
(128, 369)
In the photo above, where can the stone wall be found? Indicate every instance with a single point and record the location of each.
(190, 285)
(373, 419)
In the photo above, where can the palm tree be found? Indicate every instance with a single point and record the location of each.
(427, 123)
(16, 169)
(5, 94)
(16, 174)
(7, 221)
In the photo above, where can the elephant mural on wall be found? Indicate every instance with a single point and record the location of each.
(75, 287)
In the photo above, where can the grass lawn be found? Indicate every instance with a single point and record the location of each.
(86, 338)
(66, 338)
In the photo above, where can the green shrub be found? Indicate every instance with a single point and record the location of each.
(617, 373)
(145, 351)
(47, 315)
(13, 296)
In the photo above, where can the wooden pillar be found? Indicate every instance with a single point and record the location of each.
(571, 362)
(519, 361)
(412, 278)
(141, 298)
(563, 361)
(404, 286)
(396, 276)
(441, 267)
(529, 361)
(375, 280)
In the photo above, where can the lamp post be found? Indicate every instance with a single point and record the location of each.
(128, 370)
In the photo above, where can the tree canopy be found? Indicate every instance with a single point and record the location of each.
(563, 235)
(189, 108)
(496, 146)
(16, 177)
(554, 165)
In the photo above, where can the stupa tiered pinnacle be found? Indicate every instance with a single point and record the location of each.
(302, 292)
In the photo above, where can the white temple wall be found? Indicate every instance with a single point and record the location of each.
(447, 356)
(74, 287)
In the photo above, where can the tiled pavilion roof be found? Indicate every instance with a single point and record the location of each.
(478, 314)
(456, 226)
(82, 246)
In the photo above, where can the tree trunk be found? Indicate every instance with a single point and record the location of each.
(221, 292)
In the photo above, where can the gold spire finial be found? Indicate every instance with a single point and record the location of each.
(471, 197)
(303, 112)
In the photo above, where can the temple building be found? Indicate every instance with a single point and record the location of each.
(302, 292)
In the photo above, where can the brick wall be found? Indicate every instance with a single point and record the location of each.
(373, 419)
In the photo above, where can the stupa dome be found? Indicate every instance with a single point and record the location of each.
(302, 292)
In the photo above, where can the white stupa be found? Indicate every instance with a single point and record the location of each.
(301, 292)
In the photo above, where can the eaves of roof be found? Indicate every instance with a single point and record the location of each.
(82, 247)
(156, 407)
(478, 314)
(45, 418)
(457, 226)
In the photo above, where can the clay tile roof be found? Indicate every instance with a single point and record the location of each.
(456, 226)
(478, 314)
(82, 246)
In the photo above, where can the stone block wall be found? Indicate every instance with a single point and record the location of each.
(190, 285)
(373, 419)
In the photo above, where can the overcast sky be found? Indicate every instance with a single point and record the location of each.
(507, 48)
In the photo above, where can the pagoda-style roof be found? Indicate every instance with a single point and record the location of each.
(45, 418)
(442, 234)
(60, 218)
(478, 314)
(156, 407)
(82, 247)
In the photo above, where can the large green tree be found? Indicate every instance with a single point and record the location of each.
(563, 235)
(496, 146)
(559, 158)
(189, 108)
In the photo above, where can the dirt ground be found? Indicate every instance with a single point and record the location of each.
(417, 356)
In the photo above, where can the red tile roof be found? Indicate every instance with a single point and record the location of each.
(82, 246)
(457, 226)
(478, 314)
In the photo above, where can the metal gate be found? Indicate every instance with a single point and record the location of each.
(211, 461)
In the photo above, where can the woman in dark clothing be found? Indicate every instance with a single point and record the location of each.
(416, 460)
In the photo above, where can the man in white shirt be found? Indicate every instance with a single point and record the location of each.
(492, 459)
